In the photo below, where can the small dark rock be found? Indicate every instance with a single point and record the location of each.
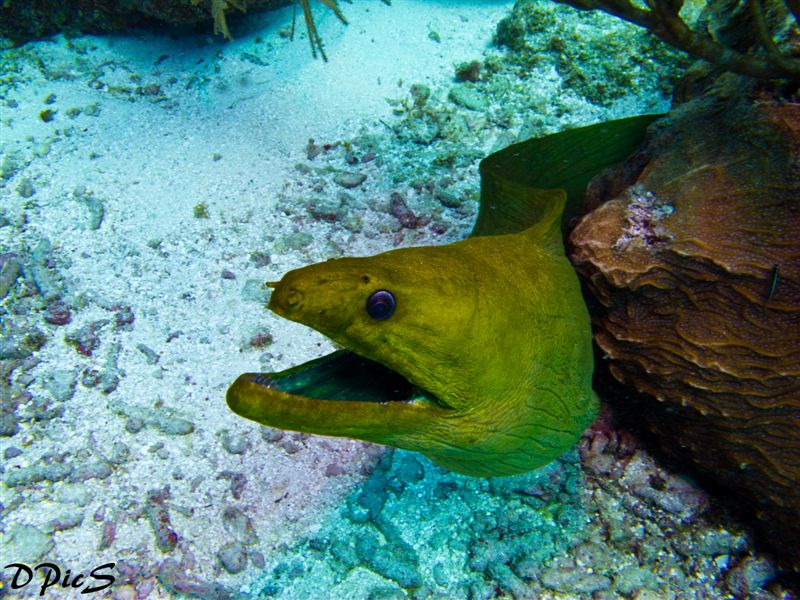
(226, 274)
(238, 525)
(261, 340)
(400, 209)
(238, 482)
(58, 313)
(233, 557)
(11, 452)
(272, 435)
(312, 150)
(333, 469)
(109, 535)
(176, 580)
(90, 377)
(157, 514)
(64, 522)
(150, 354)
(8, 424)
(134, 425)
(257, 559)
(124, 318)
(469, 71)
(260, 259)
(96, 470)
(349, 179)
(234, 443)
(86, 339)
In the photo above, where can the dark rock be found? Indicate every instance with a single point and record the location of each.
(151, 355)
(386, 563)
(349, 179)
(235, 443)
(58, 313)
(177, 581)
(233, 557)
(41, 268)
(238, 524)
(257, 559)
(158, 516)
(36, 473)
(11, 452)
(10, 269)
(238, 482)
(86, 339)
(8, 424)
(123, 318)
(410, 469)
(399, 208)
(95, 470)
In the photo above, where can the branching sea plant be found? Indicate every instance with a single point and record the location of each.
(663, 18)
(218, 8)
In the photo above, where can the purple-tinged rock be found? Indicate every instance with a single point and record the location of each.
(238, 482)
(123, 317)
(95, 470)
(58, 313)
(65, 521)
(177, 581)
(402, 212)
(158, 515)
(87, 338)
(109, 535)
(333, 470)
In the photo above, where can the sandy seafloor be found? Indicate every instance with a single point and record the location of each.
(172, 177)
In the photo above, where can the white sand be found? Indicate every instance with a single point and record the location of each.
(150, 163)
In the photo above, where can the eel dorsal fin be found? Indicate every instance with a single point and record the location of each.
(522, 184)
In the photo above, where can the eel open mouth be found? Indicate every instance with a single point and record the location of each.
(342, 375)
(340, 394)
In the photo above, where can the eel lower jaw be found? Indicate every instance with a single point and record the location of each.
(340, 394)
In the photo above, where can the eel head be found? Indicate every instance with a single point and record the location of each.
(476, 354)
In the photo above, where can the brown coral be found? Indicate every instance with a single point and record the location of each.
(696, 267)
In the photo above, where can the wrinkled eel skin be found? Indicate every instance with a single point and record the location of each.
(491, 332)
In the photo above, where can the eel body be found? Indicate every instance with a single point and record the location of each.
(477, 354)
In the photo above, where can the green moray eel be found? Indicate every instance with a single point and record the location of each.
(478, 353)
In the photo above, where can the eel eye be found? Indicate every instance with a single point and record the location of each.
(381, 305)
